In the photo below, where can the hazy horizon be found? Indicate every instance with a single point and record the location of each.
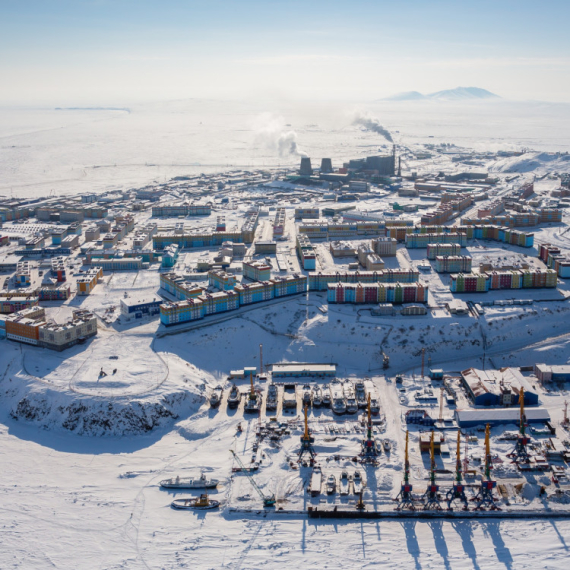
(65, 53)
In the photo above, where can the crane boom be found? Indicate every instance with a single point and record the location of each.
(267, 501)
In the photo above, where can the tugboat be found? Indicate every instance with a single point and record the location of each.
(202, 503)
(317, 397)
(350, 398)
(216, 396)
(201, 482)
(331, 484)
(327, 396)
(307, 394)
(344, 483)
(357, 482)
(252, 403)
(271, 397)
(234, 397)
(387, 445)
(360, 394)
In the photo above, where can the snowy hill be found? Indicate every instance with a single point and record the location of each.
(457, 94)
(539, 162)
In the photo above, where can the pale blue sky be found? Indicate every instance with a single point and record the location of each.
(104, 51)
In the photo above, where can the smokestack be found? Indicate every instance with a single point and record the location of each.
(306, 169)
(326, 166)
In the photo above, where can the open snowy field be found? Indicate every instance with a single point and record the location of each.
(83, 150)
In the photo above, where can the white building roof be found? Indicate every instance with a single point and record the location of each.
(136, 301)
(511, 415)
(303, 367)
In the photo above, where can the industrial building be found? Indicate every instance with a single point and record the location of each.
(495, 417)
(497, 387)
(305, 168)
(302, 370)
(140, 306)
(552, 373)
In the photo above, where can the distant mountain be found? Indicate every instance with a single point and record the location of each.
(406, 96)
(462, 93)
(457, 94)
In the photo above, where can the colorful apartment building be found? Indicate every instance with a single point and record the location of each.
(177, 286)
(320, 281)
(453, 263)
(121, 264)
(256, 270)
(221, 280)
(306, 252)
(80, 327)
(177, 210)
(436, 249)
(307, 213)
(170, 256)
(60, 293)
(17, 303)
(372, 293)
(494, 280)
(86, 280)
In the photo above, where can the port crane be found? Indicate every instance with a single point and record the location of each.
(405, 498)
(485, 495)
(370, 449)
(458, 490)
(430, 498)
(268, 501)
(520, 452)
(307, 440)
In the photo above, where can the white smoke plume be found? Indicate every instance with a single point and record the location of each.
(272, 133)
(372, 124)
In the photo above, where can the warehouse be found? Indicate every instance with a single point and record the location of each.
(303, 370)
(494, 417)
(547, 373)
(497, 387)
